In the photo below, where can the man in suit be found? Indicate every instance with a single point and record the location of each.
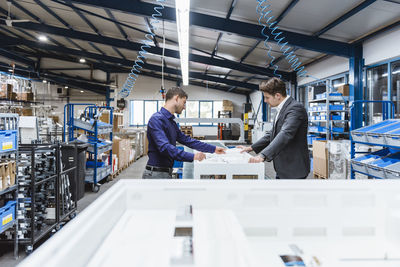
(286, 144)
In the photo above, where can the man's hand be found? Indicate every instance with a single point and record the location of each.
(256, 159)
(245, 148)
(199, 156)
(219, 150)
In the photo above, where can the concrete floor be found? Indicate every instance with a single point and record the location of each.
(132, 172)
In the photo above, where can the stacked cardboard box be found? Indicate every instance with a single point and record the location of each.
(118, 120)
(121, 148)
(320, 159)
(344, 89)
(7, 92)
(7, 174)
(227, 105)
(188, 130)
(25, 96)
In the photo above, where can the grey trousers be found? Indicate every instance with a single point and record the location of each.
(156, 175)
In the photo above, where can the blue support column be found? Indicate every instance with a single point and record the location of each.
(355, 81)
(108, 99)
(264, 109)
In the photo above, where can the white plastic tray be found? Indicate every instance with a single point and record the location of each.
(235, 224)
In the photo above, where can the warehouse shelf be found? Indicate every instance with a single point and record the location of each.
(89, 122)
(9, 153)
(385, 134)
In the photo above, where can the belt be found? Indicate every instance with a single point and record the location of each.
(158, 169)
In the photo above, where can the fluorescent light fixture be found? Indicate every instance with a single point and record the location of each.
(81, 91)
(82, 60)
(43, 38)
(384, 75)
(339, 84)
(182, 23)
(10, 70)
(44, 81)
(66, 87)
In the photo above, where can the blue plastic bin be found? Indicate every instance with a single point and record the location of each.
(359, 135)
(8, 140)
(359, 165)
(90, 164)
(7, 215)
(376, 168)
(377, 135)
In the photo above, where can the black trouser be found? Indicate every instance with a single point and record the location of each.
(277, 177)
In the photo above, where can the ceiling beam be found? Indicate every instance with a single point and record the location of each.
(128, 63)
(241, 28)
(65, 80)
(15, 57)
(286, 11)
(154, 50)
(345, 16)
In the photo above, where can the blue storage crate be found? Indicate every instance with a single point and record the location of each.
(393, 138)
(336, 107)
(376, 168)
(7, 215)
(8, 140)
(359, 135)
(338, 129)
(91, 163)
(360, 163)
(377, 135)
(336, 117)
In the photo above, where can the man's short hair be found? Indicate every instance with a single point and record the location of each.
(175, 91)
(273, 86)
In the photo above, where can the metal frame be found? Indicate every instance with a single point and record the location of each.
(387, 113)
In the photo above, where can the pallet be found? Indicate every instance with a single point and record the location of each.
(318, 176)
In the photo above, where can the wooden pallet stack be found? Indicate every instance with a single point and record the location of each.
(188, 130)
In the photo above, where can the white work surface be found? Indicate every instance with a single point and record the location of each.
(229, 164)
(330, 223)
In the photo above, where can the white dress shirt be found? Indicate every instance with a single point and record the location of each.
(279, 108)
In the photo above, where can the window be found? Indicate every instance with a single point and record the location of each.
(150, 107)
(192, 110)
(206, 110)
(160, 104)
(217, 107)
(136, 108)
(142, 110)
(377, 83)
(396, 86)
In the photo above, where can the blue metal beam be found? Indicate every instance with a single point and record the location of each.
(128, 63)
(154, 50)
(345, 16)
(289, 7)
(244, 29)
(356, 65)
(121, 30)
(27, 12)
(26, 61)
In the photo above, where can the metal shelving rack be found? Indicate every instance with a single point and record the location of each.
(329, 124)
(388, 109)
(89, 122)
(55, 179)
(9, 122)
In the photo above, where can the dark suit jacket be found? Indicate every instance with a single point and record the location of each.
(287, 144)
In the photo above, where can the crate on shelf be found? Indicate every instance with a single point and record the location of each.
(7, 215)
(360, 163)
(360, 135)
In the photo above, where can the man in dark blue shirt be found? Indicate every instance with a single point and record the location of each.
(163, 132)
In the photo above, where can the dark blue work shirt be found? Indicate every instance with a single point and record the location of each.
(162, 133)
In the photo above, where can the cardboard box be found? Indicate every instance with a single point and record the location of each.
(344, 90)
(121, 148)
(7, 91)
(320, 158)
(7, 174)
(25, 96)
(27, 112)
(118, 122)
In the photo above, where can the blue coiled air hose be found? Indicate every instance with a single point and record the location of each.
(139, 62)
